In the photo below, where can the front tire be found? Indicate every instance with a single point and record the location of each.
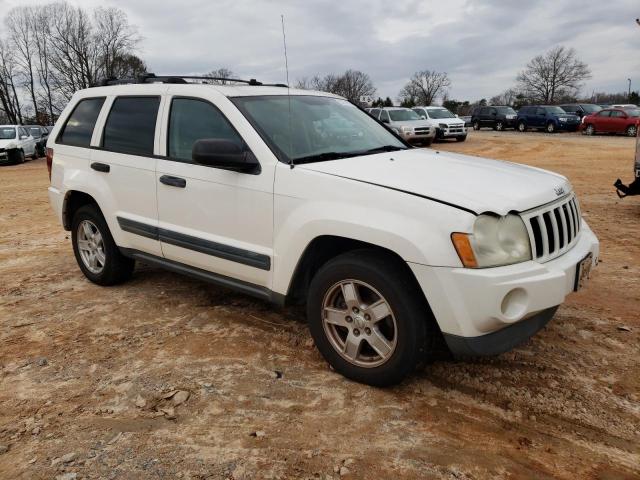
(476, 125)
(461, 138)
(499, 126)
(369, 319)
(551, 128)
(522, 127)
(590, 130)
(96, 252)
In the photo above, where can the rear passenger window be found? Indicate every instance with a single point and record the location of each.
(79, 127)
(191, 120)
(131, 125)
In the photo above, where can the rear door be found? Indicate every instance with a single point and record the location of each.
(123, 166)
(617, 121)
(540, 117)
(217, 220)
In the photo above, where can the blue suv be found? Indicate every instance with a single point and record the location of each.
(549, 118)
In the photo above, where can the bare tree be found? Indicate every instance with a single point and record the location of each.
(424, 87)
(557, 73)
(21, 38)
(114, 38)
(128, 65)
(222, 73)
(352, 84)
(508, 97)
(41, 33)
(9, 99)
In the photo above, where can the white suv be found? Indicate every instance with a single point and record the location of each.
(15, 144)
(255, 188)
(447, 124)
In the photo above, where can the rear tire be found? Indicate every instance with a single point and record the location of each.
(499, 126)
(400, 328)
(96, 252)
(632, 131)
(476, 125)
(522, 127)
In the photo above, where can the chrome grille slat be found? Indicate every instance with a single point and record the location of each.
(553, 228)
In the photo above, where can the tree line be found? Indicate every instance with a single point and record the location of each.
(48, 52)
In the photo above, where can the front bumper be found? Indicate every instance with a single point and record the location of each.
(451, 131)
(470, 305)
(569, 127)
(417, 137)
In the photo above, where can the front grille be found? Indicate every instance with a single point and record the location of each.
(456, 128)
(553, 228)
(422, 130)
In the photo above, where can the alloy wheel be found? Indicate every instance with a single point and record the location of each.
(499, 126)
(359, 323)
(91, 246)
(632, 131)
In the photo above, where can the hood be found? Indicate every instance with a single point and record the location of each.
(4, 143)
(472, 183)
(448, 121)
(411, 123)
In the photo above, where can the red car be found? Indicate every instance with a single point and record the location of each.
(612, 120)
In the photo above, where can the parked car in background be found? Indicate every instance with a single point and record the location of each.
(581, 109)
(16, 144)
(612, 120)
(624, 106)
(40, 135)
(546, 117)
(406, 123)
(497, 117)
(466, 119)
(447, 124)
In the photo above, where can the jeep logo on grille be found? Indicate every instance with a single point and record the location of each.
(559, 191)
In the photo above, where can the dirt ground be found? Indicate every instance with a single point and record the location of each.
(87, 373)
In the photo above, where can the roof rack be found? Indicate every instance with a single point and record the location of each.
(153, 78)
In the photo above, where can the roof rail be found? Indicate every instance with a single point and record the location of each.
(153, 78)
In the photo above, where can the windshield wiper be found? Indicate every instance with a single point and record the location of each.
(326, 156)
(384, 148)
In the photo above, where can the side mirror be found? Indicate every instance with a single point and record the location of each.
(423, 117)
(225, 154)
(23, 137)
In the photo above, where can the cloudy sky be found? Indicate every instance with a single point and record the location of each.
(481, 44)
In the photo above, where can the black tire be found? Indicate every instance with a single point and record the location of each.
(18, 157)
(416, 334)
(632, 131)
(522, 127)
(117, 268)
(550, 128)
(499, 126)
(461, 138)
(427, 143)
(476, 125)
(590, 129)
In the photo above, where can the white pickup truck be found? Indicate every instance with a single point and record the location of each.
(255, 188)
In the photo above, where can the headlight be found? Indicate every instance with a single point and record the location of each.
(495, 241)
(563, 119)
(407, 130)
(443, 125)
(395, 130)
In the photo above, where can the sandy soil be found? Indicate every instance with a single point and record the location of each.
(84, 370)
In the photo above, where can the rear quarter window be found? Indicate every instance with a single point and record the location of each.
(78, 128)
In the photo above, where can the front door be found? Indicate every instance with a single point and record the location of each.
(217, 220)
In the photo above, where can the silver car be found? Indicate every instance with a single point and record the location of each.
(406, 123)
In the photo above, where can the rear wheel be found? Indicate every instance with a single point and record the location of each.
(95, 250)
(551, 128)
(476, 125)
(632, 131)
(522, 127)
(369, 319)
(590, 130)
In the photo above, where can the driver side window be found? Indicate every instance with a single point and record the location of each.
(191, 120)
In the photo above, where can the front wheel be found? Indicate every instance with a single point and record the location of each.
(476, 125)
(590, 130)
(461, 138)
(522, 127)
(632, 131)
(551, 128)
(95, 250)
(499, 126)
(427, 143)
(368, 318)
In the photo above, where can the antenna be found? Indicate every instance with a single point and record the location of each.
(286, 67)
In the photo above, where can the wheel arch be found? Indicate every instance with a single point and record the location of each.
(73, 200)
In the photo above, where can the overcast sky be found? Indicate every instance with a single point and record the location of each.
(481, 44)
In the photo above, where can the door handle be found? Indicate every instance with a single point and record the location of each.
(173, 181)
(101, 167)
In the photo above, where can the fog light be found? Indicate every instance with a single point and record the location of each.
(514, 304)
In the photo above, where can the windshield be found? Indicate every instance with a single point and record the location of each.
(318, 128)
(556, 110)
(440, 113)
(591, 108)
(506, 110)
(35, 132)
(403, 115)
(7, 133)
